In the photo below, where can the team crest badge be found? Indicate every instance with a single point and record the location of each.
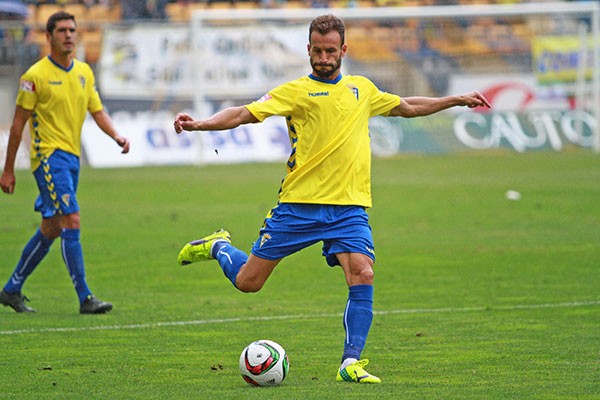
(354, 90)
(82, 81)
(264, 239)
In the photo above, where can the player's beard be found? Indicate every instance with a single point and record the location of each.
(325, 73)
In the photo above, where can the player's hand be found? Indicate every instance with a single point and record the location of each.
(184, 122)
(124, 143)
(7, 182)
(475, 99)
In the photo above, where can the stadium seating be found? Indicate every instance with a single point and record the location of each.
(99, 14)
(91, 40)
(485, 36)
(178, 12)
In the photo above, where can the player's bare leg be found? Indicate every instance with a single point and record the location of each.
(254, 273)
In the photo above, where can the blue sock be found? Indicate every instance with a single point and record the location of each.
(230, 259)
(357, 319)
(34, 251)
(73, 256)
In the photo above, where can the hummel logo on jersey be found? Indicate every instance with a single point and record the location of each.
(316, 94)
(55, 82)
(66, 198)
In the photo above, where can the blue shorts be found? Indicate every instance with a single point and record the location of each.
(57, 178)
(290, 227)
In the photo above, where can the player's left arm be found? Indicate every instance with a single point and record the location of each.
(105, 123)
(420, 106)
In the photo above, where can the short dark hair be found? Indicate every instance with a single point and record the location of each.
(54, 18)
(325, 24)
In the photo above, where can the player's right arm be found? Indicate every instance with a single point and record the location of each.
(228, 118)
(7, 180)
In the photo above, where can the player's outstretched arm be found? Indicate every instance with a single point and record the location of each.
(420, 106)
(228, 118)
(104, 122)
(7, 180)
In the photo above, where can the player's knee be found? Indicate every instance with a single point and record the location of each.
(364, 275)
(50, 230)
(248, 285)
(72, 221)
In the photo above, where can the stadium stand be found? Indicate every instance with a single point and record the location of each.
(498, 41)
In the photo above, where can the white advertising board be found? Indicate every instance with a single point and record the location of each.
(511, 92)
(146, 61)
(249, 60)
(22, 161)
(154, 142)
(153, 61)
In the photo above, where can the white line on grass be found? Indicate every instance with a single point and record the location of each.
(301, 316)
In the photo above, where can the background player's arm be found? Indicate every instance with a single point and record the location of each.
(420, 106)
(7, 180)
(228, 118)
(104, 122)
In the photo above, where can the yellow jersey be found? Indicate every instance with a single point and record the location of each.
(328, 126)
(59, 99)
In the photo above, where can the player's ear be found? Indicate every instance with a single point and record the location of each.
(308, 48)
(344, 49)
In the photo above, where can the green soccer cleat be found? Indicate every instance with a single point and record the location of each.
(355, 373)
(201, 250)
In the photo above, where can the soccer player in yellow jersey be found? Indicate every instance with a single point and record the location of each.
(327, 188)
(54, 95)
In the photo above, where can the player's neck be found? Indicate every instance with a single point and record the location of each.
(332, 77)
(64, 60)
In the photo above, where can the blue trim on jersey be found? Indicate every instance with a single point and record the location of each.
(333, 82)
(60, 66)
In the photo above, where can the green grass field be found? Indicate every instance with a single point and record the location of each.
(476, 296)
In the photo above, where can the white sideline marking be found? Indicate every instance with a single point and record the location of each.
(283, 317)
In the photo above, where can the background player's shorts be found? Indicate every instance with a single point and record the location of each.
(290, 227)
(57, 180)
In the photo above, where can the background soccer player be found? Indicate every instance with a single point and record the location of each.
(327, 188)
(54, 95)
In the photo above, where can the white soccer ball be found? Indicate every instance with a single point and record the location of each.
(264, 363)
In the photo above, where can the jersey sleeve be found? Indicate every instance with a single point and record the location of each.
(382, 102)
(278, 101)
(94, 104)
(29, 87)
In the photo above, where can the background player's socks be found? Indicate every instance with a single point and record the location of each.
(73, 256)
(34, 251)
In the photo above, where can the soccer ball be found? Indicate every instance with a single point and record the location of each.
(264, 363)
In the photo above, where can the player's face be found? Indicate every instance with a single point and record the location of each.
(326, 52)
(62, 39)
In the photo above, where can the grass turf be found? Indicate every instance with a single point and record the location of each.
(476, 296)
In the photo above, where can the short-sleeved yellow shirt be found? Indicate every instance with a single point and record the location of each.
(328, 125)
(59, 99)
